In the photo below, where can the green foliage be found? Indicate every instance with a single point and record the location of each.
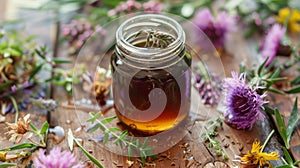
(286, 131)
(210, 133)
(263, 77)
(121, 138)
(21, 60)
(19, 146)
(4, 165)
(288, 161)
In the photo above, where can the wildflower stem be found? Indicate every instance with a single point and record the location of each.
(16, 108)
(43, 144)
(36, 143)
(267, 140)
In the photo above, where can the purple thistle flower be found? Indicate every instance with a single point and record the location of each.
(271, 43)
(56, 159)
(217, 28)
(242, 102)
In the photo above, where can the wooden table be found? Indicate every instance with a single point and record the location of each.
(191, 151)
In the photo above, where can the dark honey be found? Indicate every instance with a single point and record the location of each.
(151, 78)
(172, 86)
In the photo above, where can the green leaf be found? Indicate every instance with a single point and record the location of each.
(284, 166)
(295, 89)
(145, 143)
(105, 138)
(44, 128)
(112, 3)
(296, 163)
(96, 126)
(271, 89)
(296, 80)
(91, 157)
(19, 146)
(40, 54)
(261, 67)
(30, 38)
(287, 156)
(61, 61)
(14, 52)
(114, 129)
(108, 120)
(35, 71)
(94, 117)
(129, 148)
(281, 128)
(4, 165)
(276, 79)
(34, 128)
(269, 109)
(276, 73)
(293, 120)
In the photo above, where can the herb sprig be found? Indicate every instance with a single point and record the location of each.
(121, 137)
(155, 38)
(210, 133)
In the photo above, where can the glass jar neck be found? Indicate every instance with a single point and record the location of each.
(149, 57)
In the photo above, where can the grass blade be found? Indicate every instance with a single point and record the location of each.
(293, 120)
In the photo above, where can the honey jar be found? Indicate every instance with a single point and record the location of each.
(151, 76)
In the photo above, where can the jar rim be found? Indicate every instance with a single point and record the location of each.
(179, 39)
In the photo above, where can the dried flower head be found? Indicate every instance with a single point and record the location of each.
(242, 102)
(100, 92)
(56, 159)
(19, 129)
(217, 28)
(271, 43)
(257, 157)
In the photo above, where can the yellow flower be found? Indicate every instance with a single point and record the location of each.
(16, 131)
(293, 17)
(257, 157)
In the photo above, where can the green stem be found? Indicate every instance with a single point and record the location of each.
(267, 140)
(91, 157)
(42, 140)
(105, 129)
(16, 108)
(35, 143)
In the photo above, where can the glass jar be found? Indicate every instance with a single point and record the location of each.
(151, 73)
